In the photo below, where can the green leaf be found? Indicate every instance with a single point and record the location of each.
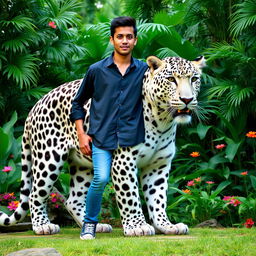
(5, 210)
(221, 186)
(253, 180)
(9, 125)
(232, 149)
(202, 130)
(4, 138)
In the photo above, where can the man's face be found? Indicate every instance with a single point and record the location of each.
(123, 40)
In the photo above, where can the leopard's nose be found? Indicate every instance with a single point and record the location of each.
(186, 100)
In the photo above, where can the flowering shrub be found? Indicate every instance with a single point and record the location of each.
(202, 202)
(232, 200)
(249, 223)
(55, 200)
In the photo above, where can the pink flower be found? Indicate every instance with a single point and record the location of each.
(220, 146)
(249, 223)
(226, 198)
(56, 205)
(54, 199)
(232, 200)
(52, 24)
(7, 169)
(13, 205)
(191, 183)
(244, 173)
(210, 182)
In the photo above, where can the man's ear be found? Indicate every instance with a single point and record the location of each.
(154, 63)
(111, 40)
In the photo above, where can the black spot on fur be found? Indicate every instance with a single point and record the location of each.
(145, 187)
(42, 192)
(125, 187)
(25, 192)
(25, 206)
(159, 182)
(53, 177)
(56, 156)
(41, 183)
(17, 216)
(52, 167)
(37, 203)
(79, 179)
(152, 191)
(7, 221)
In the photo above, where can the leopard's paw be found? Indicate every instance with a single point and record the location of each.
(143, 230)
(103, 228)
(46, 229)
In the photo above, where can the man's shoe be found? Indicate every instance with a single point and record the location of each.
(88, 231)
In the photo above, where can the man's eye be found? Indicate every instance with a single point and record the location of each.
(129, 37)
(119, 36)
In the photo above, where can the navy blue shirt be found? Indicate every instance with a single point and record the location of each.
(116, 113)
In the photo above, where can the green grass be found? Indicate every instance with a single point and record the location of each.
(206, 242)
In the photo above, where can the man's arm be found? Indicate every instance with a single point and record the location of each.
(77, 114)
(84, 139)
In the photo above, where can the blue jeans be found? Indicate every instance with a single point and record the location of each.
(102, 160)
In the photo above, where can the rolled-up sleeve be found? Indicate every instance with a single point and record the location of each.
(84, 93)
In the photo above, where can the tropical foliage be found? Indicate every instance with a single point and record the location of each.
(47, 42)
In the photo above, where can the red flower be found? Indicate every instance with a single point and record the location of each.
(7, 169)
(52, 24)
(210, 182)
(191, 183)
(220, 146)
(195, 154)
(251, 134)
(249, 223)
(244, 173)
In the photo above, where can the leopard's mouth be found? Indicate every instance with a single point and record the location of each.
(184, 111)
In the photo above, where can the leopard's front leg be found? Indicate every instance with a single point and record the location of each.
(124, 177)
(154, 180)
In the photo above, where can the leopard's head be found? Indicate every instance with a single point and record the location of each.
(172, 86)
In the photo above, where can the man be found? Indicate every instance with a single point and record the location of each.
(116, 114)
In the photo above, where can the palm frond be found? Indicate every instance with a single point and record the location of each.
(36, 92)
(20, 23)
(237, 95)
(16, 44)
(23, 69)
(243, 17)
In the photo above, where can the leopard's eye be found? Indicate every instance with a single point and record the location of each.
(194, 78)
(172, 79)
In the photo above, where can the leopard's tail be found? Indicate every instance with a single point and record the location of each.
(26, 184)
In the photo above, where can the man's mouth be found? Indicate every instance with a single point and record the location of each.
(184, 111)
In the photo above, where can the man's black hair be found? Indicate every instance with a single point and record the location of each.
(123, 21)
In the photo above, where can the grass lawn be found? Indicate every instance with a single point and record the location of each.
(230, 242)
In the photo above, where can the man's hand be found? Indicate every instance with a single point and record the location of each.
(84, 139)
(84, 144)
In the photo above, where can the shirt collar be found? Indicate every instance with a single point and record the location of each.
(110, 62)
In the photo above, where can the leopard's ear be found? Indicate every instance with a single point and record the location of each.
(199, 62)
(154, 63)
